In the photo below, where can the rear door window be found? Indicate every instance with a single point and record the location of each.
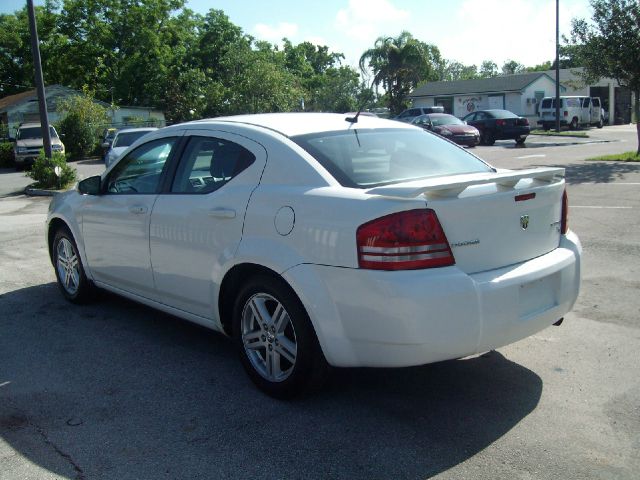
(208, 163)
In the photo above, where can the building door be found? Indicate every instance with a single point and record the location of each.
(447, 103)
(496, 102)
(623, 106)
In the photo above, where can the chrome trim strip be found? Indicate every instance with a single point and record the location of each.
(416, 249)
(404, 258)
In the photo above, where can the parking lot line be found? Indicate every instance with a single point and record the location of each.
(531, 156)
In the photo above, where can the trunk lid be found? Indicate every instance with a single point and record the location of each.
(496, 219)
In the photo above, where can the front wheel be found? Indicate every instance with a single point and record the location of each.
(277, 344)
(73, 282)
(574, 124)
(520, 140)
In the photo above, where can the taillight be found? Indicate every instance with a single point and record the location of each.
(500, 122)
(564, 218)
(406, 240)
(525, 121)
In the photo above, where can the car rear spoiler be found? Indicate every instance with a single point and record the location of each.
(454, 185)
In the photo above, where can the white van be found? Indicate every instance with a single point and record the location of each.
(574, 112)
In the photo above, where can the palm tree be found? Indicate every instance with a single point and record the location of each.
(399, 64)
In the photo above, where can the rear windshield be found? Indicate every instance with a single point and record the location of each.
(368, 158)
(550, 103)
(127, 138)
(502, 114)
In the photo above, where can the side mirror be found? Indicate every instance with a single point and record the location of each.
(90, 186)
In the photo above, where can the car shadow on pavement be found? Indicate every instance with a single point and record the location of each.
(117, 390)
(597, 172)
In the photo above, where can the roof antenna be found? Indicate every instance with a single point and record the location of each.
(364, 102)
(355, 119)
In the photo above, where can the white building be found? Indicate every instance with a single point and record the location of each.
(519, 94)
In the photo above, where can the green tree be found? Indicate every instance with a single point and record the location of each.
(158, 53)
(610, 45)
(542, 67)
(81, 124)
(488, 69)
(124, 45)
(399, 64)
(511, 67)
(457, 71)
(16, 62)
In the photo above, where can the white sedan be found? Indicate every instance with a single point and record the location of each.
(318, 240)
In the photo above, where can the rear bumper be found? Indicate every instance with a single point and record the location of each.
(552, 122)
(512, 133)
(394, 319)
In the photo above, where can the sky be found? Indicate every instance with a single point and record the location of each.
(468, 31)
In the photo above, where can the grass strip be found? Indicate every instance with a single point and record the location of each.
(564, 133)
(617, 157)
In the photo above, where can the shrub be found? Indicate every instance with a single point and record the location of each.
(6, 154)
(43, 171)
(81, 125)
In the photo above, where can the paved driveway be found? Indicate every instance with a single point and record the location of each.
(115, 390)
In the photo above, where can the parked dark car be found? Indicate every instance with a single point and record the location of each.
(410, 113)
(449, 127)
(499, 125)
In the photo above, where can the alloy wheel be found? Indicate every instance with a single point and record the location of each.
(68, 266)
(268, 337)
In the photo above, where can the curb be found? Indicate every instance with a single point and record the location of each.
(41, 192)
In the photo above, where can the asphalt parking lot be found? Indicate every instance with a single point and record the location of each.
(115, 390)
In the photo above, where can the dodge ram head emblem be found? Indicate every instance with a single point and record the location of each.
(524, 221)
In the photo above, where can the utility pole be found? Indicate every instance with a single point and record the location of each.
(42, 100)
(557, 65)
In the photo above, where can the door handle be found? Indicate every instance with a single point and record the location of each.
(222, 213)
(138, 209)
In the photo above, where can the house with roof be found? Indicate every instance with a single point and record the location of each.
(519, 93)
(23, 107)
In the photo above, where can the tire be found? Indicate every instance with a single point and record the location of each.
(520, 140)
(279, 351)
(600, 124)
(546, 127)
(488, 138)
(73, 283)
(574, 124)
